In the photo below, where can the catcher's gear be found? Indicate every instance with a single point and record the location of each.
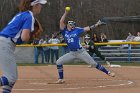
(37, 30)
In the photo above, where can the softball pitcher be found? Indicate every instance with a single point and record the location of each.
(71, 35)
(20, 29)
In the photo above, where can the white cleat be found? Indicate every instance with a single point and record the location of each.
(111, 74)
(90, 66)
(108, 63)
(60, 81)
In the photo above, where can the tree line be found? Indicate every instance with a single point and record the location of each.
(84, 12)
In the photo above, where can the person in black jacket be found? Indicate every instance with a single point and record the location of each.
(92, 49)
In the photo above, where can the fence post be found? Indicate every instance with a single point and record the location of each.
(129, 52)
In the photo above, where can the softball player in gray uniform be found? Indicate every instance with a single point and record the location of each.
(71, 35)
(17, 31)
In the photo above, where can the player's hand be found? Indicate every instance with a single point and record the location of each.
(92, 47)
(85, 46)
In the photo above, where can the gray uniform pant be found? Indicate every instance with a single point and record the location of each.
(7, 59)
(80, 54)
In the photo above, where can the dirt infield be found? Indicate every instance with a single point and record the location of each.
(79, 79)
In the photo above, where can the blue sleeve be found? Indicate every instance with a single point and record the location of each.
(27, 23)
(80, 30)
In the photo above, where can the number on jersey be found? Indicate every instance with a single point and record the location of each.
(70, 40)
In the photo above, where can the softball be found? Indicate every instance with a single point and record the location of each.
(67, 8)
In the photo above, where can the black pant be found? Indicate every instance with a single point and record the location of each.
(97, 52)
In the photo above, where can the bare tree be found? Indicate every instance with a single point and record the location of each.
(84, 12)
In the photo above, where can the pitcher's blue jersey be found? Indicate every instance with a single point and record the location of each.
(13, 30)
(72, 37)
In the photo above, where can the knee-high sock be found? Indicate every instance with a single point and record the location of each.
(3, 81)
(102, 68)
(7, 88)
(60, 71)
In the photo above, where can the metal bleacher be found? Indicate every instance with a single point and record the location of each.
(129, 53)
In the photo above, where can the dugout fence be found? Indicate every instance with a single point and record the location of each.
(111, 50)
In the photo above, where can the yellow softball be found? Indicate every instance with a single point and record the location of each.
(67, 8)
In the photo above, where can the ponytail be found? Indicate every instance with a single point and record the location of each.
(25, 5)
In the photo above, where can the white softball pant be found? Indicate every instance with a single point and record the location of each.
(7, 59)
(80, 54)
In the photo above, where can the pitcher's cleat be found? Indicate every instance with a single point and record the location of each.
(111, 74)
(108, 63)
(60, 81)
(90, 66)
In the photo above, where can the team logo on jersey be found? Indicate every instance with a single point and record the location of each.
(70, 36)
